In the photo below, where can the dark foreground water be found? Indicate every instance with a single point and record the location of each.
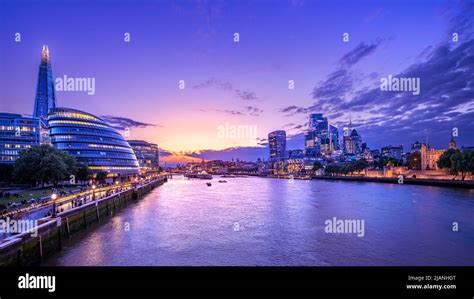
(259, 221)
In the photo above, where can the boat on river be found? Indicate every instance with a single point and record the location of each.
(202, 175)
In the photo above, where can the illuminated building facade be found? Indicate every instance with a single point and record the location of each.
(91, 141)
(277, 144)
(45, 98)
(352, 141)
(321, 138)
(395, 152)
(148, 154)
(317, 135)
(17, 133)
(429, 157)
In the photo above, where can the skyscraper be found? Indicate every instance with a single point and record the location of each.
(321, 137)
(318, 122)
(352, 141)
(45, 98)
(277, 144)
(334, 135)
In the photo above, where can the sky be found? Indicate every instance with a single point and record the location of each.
(245, 84)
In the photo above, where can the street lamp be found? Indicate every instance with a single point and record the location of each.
(53, 197)
(93, 191)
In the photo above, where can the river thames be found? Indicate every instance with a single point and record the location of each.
(273, 222)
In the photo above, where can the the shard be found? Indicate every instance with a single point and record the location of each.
(45, 98)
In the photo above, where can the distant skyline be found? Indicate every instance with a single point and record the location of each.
(246, 83)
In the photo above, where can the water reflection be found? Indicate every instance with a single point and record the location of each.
(258, 221)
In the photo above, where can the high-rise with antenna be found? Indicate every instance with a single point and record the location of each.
(45, 98)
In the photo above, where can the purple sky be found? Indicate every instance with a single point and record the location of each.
(246, 83)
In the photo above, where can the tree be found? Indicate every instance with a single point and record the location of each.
(460, 163)
(43, 164)
(6, 172)
(360, 165)
(469, 158)
(317, 166)
(414, 160)
(457, 162)
(332, 169)
(348, 168)
(83, 173)
(445, 160)
(101, 177)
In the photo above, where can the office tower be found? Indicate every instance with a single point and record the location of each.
(277, 144)
(317, 139)
(17, 133)
(352, 141)
(45, 98)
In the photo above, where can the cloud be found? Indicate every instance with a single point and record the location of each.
(446, 100)
(247, 111)
(254, 111)
(232, 112)
(373, 15)
(123, 122)
(336, 85)
(361, 50)
(292, 110)
(242, 94)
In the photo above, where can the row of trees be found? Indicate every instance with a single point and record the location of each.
(45, 164)
(457, 162)
(347, 168)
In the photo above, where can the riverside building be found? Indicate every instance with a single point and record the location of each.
(91, 141)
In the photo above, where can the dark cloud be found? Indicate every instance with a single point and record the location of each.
(361, 50)
(254, 111)
(292, 110)
(242, 94)
(336, 85)
(123, 122)
(445, 101)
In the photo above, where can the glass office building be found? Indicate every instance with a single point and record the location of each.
(277, 144)
(148, 154)
(91, 141)
(45, 98)
(17, 133)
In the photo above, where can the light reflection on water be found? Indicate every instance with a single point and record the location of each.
(260, 221)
